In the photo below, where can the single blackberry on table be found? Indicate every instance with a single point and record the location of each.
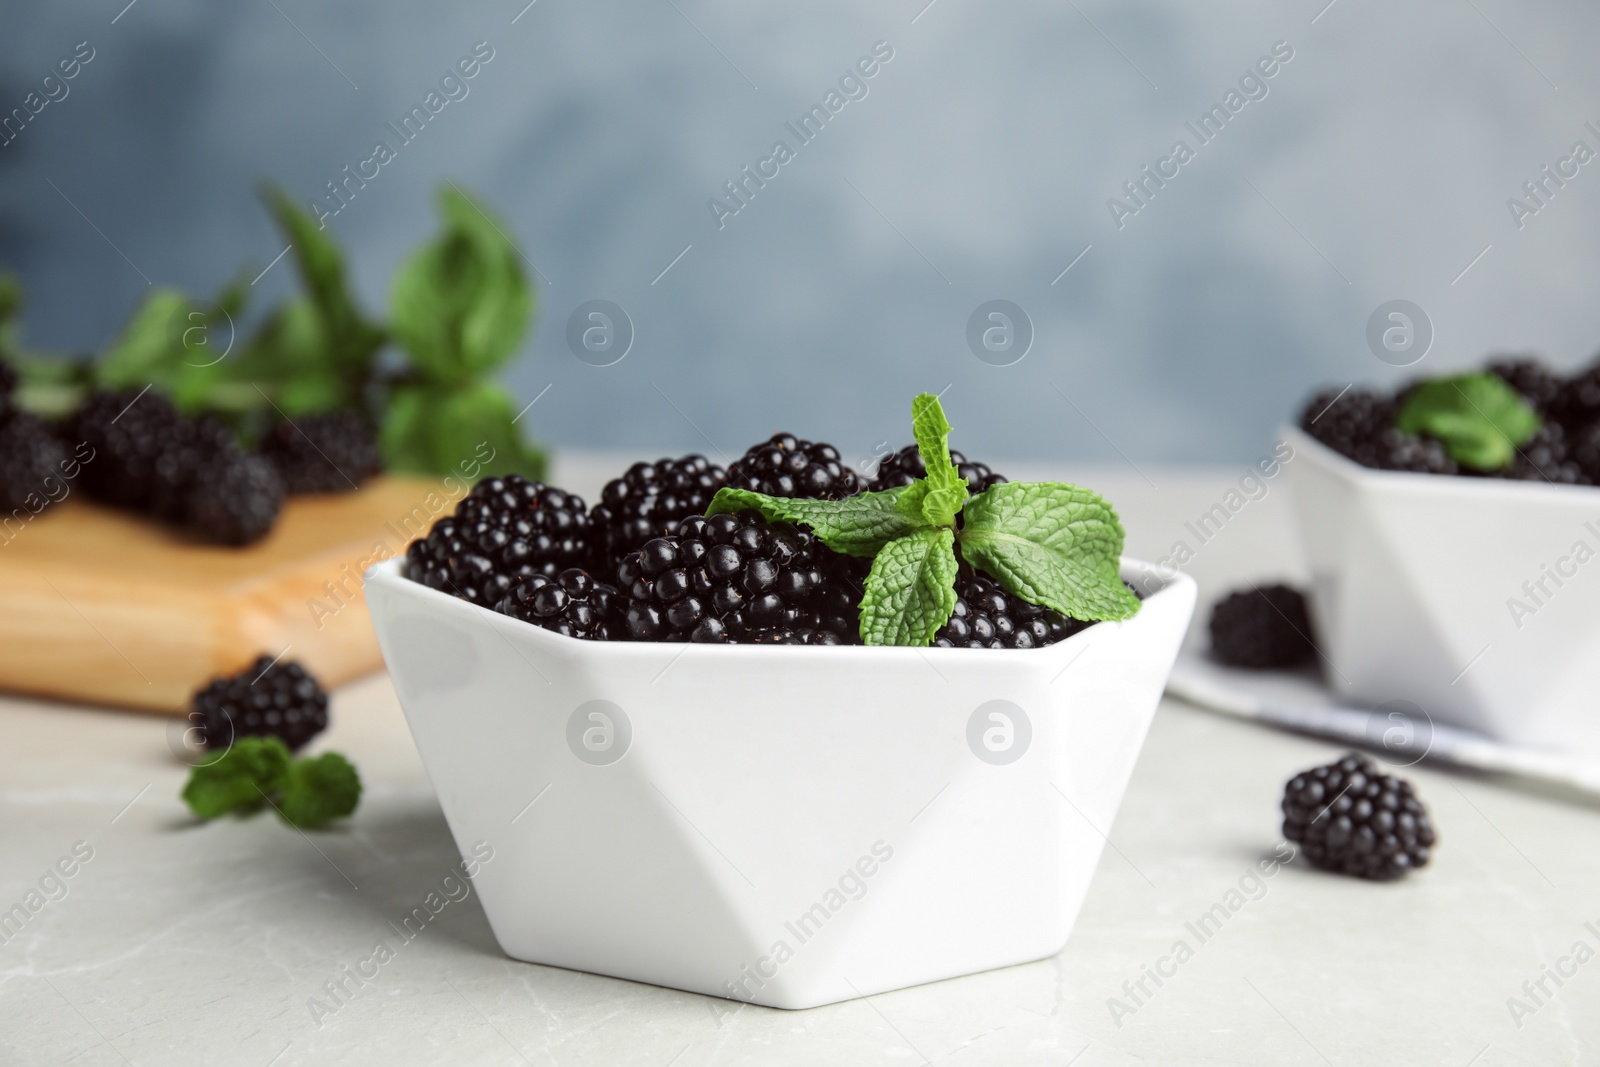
(986, 616)
(231, 498)
(648, 501)
(31, 456)
(572, 604)
(1350, 818)
(507, 529)
(326, 452)
(1262, 628)
(280, 700)
(1351, 423)
(724, 577)
(906, 466)
(128, 431)
(1538, 384)
(784, 465)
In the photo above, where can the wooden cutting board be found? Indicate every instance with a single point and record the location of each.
(101, 607)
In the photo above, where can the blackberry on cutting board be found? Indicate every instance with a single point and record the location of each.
(1350, 818)
(32, 463)
(572, 604)
(785, 465)
(128, 431)
(724, 577)
(508, 528)
(906, 466)
(280, 700)
(1262, 628)
(649, 500)
(986, 616)
(325, 452)
(231, 498)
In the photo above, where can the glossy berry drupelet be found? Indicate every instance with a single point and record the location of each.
(1262, 628)
(723, 577)
(326, 452)
(572, 604)
(784, 465)
(281, 700)
(33, 463)
(1350, 818)
(508, 528)
(986, 616)
(906, 466)
(649, 500)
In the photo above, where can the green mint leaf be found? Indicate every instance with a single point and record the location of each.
(859, 525)
(911, 590)
(947, 490)
(350, 340)
(1480, 419)
(240, 779)
(461, 304)
(1051, 544)
(439, 430)
(170, 342)
(318, 790)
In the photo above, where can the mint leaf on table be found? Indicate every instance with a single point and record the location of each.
(859, 525)
(1480, 419)
(241, 779)
(318, 790)
(1051, 544)
(911, 589)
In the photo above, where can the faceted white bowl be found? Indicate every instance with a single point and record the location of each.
(1416, 581)
(786, 826)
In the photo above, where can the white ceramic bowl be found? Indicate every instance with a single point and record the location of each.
(787, 826)
(1427, 589)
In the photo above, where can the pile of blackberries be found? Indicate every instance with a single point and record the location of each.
(1359, 423)
(647, 564)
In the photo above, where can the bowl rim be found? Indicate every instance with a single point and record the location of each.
(1511, 489)
(386, 574)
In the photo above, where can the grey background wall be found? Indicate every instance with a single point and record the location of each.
(978, 165)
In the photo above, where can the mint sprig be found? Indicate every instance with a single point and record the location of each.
(257, 771)
(1049, 543)
(1480, 419)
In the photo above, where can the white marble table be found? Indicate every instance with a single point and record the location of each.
(179, 943)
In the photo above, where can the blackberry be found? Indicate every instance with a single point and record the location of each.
(1545, 458)
(231, 498)
(1349, 423)
(648, 501)
(725, 577)
(8, 376)
(187, 446)
(1262, 628)
(328, 452)
(128, 431)
(30, 455)
(784, 465)
(788, 635)
(986, 616)
(1350, 818)
(906, 466)
(1578, 403)
(281, 700)
(1585, 452)
(505, 530)
(1538, 384)
(572, 604)
(1396, 450)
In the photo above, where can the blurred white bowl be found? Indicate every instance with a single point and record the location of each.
(1427, 589)
(786, 826)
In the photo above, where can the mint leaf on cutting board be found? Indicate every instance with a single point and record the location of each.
(1051, 544)
(911, 589)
